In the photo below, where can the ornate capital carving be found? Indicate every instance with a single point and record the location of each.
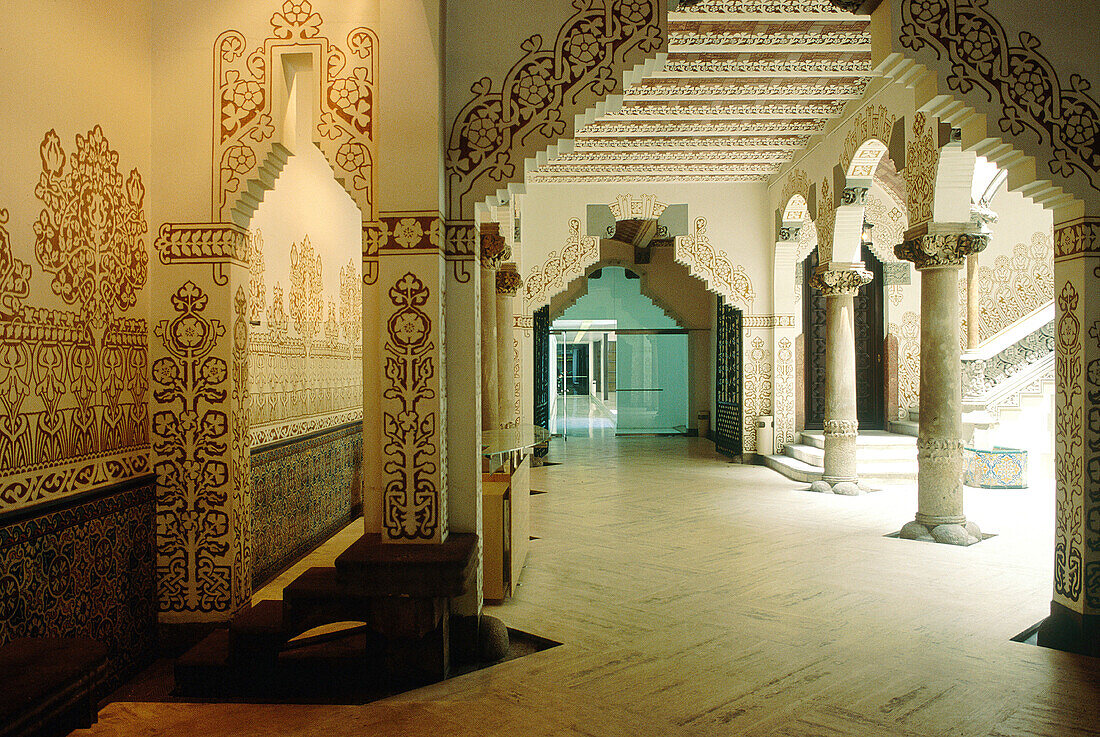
(790, 233)
(937, 449)
(508, 280)
(853, 196)
(842, 428)
(942, 249)
(493, 250)
(840, 282)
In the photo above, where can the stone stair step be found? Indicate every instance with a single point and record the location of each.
(814, 455)
(327, 667)
(904, 427)
(866, 439)
(204, 670)
(793, 468)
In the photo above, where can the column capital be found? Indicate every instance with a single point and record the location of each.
(940, 250)
(494, 249)
(833, 283)
(508, 280)
(853, 196)
(790, 233)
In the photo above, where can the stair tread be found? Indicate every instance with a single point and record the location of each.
(313, 582)
(263, 617)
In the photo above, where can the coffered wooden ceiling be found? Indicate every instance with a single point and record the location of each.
(744, 86)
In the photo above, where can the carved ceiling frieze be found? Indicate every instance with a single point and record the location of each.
(754, 90)
(780, 38)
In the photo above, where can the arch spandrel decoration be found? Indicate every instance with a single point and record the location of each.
(874, 122)
(713, 267)
(245, 96)
(578, 253)
(533, 100)
(922, 158)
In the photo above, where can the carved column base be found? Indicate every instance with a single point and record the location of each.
(949, 533)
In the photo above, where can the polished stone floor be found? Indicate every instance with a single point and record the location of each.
(700, 597)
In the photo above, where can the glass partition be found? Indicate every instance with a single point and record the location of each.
(652, 382)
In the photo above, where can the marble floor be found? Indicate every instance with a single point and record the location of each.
(587, 416)
(699, 597)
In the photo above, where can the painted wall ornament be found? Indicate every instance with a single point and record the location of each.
(190, 436)
(1069, 450)
(412, 505)
(73, 382)
(578, 253)
(1031, 95)
(244, 89)
(494, 125)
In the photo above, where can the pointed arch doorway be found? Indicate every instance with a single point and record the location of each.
(869, 338)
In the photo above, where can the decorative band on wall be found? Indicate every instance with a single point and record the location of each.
(1077, 238)
(768, 321)
(407, 232)
(84, 565)
(204, 243)
(303, 490)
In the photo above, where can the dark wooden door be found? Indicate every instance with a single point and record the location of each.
(728, 410)
(869, 337)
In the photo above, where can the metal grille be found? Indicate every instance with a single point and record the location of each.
(541, 324)
(727, 424)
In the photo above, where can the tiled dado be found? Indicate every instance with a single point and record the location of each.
(84, 565)
(303, 490)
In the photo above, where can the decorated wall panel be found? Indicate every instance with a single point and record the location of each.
(529, 107)
(84, 566)
(306, 296)
(73, 346)
(247, 92)
(303, 490)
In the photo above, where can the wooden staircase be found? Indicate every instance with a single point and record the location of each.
(377, 622)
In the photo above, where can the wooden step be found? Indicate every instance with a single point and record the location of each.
(257, 631)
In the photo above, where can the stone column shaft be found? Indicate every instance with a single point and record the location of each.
(841, 426)
(940, 516)
(508, 284)
(494, 250)
(490, 413)
(840, 384)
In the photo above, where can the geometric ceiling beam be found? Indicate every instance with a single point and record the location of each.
(723, 113)
(678, 18)
(673, 157)
(686, 65)
(628, 128)
(720, 47)
(641, 177)
(756, 94)
(657, 168)
(655, 143)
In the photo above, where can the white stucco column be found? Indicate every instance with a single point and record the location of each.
(939, 252)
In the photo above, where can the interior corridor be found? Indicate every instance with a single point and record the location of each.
(696, 596)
